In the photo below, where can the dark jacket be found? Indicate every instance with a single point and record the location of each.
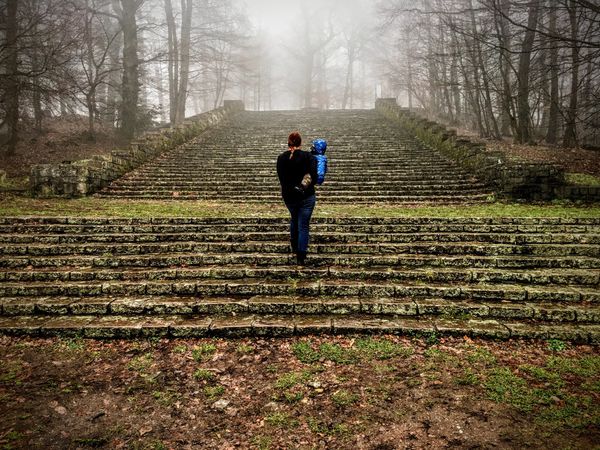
(291, 172)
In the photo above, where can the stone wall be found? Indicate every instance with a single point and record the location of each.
(80, 178)
(517, 180)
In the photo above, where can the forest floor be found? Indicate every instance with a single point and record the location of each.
(64, 139)
(324, 392)
(572, 160)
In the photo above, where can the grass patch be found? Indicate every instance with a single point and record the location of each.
(338, 354)
(262, 442)
(319, 427)
(556, 345)
(543, 375)
(180, 349)
(10, 372)
(467, 378)
(72, 344)
(165, 398)
(344, 398)
(203, 352)
(481, 356)
(244, 349)
(141, 363)
(305, 353)
(291, 379)
(582, 179)
(503, 386)
(96, 207)
(586, 367)
(573, 412)
(363, 349)
(214, 392)
(381, 349)
(293, 397)
(204, 375)
(553, 405)
(281, 420)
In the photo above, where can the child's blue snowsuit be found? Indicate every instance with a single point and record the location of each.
(319, 154)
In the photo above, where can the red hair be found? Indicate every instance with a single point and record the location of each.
(294, 139)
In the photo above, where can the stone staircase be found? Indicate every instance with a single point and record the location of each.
(370, 160)
(500, 278)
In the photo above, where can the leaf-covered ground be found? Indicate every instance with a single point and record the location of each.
(320, 392)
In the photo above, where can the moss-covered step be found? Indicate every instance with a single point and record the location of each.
(276, 326)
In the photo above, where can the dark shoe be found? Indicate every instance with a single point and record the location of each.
(301, 258)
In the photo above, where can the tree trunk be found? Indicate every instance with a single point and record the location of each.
(553, 113)
(570, 137)
(130, 89)
(507, 116)
(349, 74)
(454, 79)
(113, 96)
(158, 73)
(186, 25)
(491, 124)
(9, 129)
(91, 95)
(523, 112)
(173, 67)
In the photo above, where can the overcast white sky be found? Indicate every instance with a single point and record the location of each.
(273, 16)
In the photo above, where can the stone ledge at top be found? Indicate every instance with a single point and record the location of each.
(84, 177)
(515, 180)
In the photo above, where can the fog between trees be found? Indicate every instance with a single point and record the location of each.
(525, 69)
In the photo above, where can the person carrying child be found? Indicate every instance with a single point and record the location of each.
(297, 172)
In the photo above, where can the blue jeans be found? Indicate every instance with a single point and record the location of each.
(300, 213)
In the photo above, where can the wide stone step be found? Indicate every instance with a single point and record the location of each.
(329, 186)
(282, 236)
(325, 224)
(275, 325)
(288, 305)
(134, 179)
(280, 259)
(275, 192)
(346, 199)
(306, 287)
(587, 277)
(426, 248)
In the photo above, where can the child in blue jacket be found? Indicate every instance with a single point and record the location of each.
(318, 148)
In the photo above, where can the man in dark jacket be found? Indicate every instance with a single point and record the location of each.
(292, 167)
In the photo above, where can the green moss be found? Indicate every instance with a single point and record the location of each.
(582, 179)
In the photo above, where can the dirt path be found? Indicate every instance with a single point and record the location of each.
(341, 392)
